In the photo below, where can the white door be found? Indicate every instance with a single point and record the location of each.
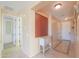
(66, 30)
(8, 30)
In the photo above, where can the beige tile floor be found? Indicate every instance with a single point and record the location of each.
(13, 52)
(17, 53)
(52, 54)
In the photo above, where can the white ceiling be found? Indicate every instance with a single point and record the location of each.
(15, 5)
(67, 9)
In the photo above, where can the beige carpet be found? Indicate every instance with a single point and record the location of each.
(63, 47)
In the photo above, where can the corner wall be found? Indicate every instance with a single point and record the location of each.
(30, 44)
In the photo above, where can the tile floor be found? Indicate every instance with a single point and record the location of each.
(13, 52)
(17, 53)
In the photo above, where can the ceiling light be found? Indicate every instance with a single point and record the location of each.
(66, 18)
(57, 6)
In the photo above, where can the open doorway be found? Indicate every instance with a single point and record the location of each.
(12, 34)
(63, 36)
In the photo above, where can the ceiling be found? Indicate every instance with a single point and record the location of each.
(66, 10)
(15, 5)
(44, 7)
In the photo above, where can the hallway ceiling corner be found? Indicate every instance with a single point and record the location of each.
(67, 9)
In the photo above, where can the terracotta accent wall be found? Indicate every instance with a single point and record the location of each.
(41, 25)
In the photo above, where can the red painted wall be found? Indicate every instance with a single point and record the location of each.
(41, 25)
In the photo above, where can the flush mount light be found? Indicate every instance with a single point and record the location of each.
(58, 5)
(66, 18)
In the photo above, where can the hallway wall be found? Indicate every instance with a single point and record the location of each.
(55, 31)
(30, 44)
(0, 30)
(77, 41)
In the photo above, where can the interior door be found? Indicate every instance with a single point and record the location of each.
(8, 30)
(63, 36)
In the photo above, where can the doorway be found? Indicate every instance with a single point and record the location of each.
(63, 37)
(7, 32)
(12, 35)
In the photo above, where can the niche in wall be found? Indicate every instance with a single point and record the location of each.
(41, 25)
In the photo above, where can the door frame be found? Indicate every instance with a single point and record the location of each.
(17, 41)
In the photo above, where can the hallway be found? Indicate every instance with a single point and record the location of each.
(48, 30)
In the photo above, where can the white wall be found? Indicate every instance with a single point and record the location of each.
(55, 30)
(30, 45)
(0, 32)
(34, 42)
(50, 25)
(25, 41)
(77, 41)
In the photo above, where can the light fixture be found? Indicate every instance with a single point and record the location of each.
(58, 5)
(66, 18)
